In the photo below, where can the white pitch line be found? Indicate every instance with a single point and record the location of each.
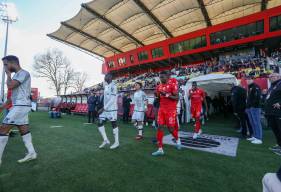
(56, 126)
(87, 123)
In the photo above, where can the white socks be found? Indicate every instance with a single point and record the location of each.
(116, 134)
(3, 143)
(140, 129)
(105, 139)
(179, 141)
(27, 139)
(103, 133)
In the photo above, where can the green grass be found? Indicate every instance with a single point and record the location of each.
(69, 160)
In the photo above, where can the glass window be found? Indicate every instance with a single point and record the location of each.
(157, 52)
(143, 56)
(171, 48)
(204, 42)
(260, 27)
(192, 43)
(278, 22)
(188, 44)
(213, 39)
(239, 32)
(275, 23)
(252, 29)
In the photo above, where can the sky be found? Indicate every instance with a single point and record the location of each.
(27, 38)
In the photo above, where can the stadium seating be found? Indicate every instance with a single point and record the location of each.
(80, 108)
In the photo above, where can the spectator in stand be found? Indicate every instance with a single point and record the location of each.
(272, 108)
(238, 99)
(92, 101)
(126, 107)
(272, 182)
(254, 111)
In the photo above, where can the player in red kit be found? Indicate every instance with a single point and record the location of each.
(197, 96)
(167, 91)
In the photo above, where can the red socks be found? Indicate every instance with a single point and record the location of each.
(160, 135)
(197, 124)
(175, 131)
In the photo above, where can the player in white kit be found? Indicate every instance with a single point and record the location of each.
(140, 107)
(109, 112)
(20, 85)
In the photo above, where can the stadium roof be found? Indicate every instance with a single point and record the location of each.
(108, 27)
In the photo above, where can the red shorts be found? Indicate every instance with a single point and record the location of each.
(167, 117)
(196, 110)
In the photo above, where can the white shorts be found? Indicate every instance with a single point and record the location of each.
(271, 182)
(138, 116)
(108, 115)
(18, 115)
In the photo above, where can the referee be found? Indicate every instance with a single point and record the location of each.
(273, 109)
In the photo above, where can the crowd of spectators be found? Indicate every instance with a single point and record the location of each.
(240, 65)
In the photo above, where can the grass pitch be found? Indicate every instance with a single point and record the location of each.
(69, 161)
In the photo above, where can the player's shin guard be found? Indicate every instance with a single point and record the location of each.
(27, 140)
(197, 124)
(103, 133)
(3, 142)
(160, 135)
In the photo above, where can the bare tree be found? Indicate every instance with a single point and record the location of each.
(79, 81)
(55, 68)
(68, 79)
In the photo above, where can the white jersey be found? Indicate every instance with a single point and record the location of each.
(139, 101)
(21, 94)
(110, 97)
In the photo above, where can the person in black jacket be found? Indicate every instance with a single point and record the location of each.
(254, 111)
(238, 100)
(99, 103)
(272, 109)
(92, 100)
(126, 107)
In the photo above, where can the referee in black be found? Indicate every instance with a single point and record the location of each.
(272, 109)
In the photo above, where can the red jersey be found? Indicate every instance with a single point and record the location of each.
(169, 88)
(197, 96)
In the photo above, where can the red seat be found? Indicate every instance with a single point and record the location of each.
(77, 108)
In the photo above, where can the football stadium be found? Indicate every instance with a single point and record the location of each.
(190, 102)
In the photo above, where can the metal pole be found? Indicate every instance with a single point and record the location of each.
(5, 54)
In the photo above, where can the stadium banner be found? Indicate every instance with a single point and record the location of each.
(209, 143)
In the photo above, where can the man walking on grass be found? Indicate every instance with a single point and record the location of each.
(20, 84)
